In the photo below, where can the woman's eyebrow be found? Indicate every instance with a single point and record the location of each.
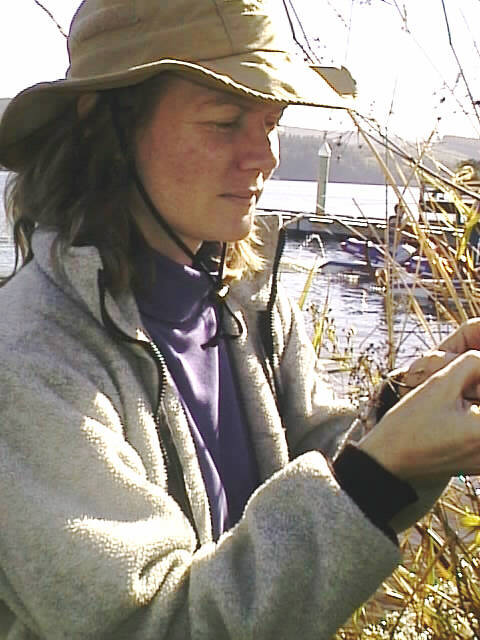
(220, 101)
(235, 101)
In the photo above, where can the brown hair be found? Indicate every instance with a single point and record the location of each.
(77, 181)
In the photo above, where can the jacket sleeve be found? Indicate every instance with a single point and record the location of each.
(314, 416)
(91, 549)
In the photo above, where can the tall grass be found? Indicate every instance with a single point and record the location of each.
(435, 592)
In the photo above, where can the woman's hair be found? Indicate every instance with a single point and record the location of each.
(78, 183)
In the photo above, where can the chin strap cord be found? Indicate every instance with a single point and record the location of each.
(220, 289)
(219, 293)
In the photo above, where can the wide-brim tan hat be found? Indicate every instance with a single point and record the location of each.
(234, 45)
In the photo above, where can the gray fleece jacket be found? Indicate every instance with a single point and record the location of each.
(93, 546)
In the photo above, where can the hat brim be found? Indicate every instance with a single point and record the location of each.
(268, 75)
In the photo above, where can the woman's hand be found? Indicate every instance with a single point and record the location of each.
(434, 431)
(465, 338)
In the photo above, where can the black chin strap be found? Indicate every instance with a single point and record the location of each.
(220, 289)
(219, 293)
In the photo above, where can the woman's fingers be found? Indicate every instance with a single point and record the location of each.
(424, 367)
(461, 375)
(438, 361)
(434, 431)
(428, 364)
(465, 338)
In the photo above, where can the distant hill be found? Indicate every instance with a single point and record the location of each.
(3, 105)
(351, 159)
(456, 144)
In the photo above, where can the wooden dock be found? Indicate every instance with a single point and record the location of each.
(341, 227)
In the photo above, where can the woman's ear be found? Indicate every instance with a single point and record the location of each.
(85, 104)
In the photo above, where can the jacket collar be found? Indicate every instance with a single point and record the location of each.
(78, 276)
(80, 268)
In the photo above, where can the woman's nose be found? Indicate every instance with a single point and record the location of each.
(261, 152)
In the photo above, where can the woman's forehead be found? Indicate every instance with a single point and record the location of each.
(198, 96)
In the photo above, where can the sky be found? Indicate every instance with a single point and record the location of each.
(399, 53)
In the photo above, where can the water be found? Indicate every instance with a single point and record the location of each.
(355, 305)
(369, 200)
(356, 308)
(6, 252)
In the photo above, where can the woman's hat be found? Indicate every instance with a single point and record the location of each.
(234, 45)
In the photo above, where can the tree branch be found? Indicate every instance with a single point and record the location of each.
(49, 14)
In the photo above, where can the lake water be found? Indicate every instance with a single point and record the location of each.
(357, 200)
(355, 306)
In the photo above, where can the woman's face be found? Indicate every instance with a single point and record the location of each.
(203, 158)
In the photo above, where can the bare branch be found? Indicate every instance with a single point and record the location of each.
(460, 68)
(49, 14)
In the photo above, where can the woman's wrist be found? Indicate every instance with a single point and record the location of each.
(376, 491)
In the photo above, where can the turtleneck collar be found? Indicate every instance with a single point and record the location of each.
(170, 292)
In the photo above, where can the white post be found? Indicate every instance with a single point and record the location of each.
(324, 154)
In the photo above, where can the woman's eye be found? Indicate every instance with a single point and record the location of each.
(229, 124)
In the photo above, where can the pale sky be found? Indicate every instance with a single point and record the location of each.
(406, 72)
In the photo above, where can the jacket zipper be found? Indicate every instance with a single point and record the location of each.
(267, 333)
(175, 477)
(167, 445)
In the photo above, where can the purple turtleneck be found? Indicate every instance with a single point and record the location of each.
(180, 317)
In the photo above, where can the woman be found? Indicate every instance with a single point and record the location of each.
(172, 462)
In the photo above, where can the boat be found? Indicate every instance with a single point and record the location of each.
(442, 204)
(346, 267)
(453, 201)
(438, 204)
(375, 254)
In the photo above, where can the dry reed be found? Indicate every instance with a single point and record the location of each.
(435, 592)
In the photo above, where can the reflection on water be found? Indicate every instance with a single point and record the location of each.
(356, 308)
(6, 250)
(6, 258)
